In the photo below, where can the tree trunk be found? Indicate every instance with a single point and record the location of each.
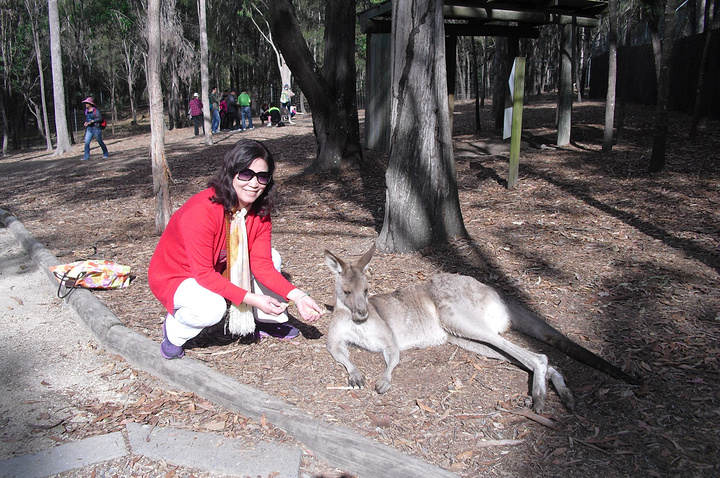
(422, 203)
(204, 72)
(502, 73)
(700, 109)
(657, 157)
(34, 11)
(656, 41)
(61, 128)
(130, 79)
(160, 170)
(612, 77)
(565, 86)
(331, 94)
(476, 85)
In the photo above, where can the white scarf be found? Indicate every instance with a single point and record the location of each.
(240, 320)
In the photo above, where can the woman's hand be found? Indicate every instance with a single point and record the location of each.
(308, 308)
(267, 304)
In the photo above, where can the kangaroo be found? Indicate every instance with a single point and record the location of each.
(449, 308)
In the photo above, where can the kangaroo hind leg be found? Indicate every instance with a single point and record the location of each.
(536, 363)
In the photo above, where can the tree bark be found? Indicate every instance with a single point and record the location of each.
(565, 86)
(130, 70)
(502, 72)
(61, 128)
(612, 77)
(330, 92)
(657, 157)
(204, 72)
(422, 206)
(160, 170)
(34, 11)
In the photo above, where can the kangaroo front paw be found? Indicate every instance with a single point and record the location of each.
(357, 380)
(382, 385)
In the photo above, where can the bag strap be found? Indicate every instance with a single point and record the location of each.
(70, 284)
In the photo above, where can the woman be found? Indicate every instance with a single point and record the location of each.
(205, 256)
(93, 118)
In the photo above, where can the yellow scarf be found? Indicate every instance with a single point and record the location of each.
(241, 320)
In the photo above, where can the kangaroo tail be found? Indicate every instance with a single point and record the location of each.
(530, 324)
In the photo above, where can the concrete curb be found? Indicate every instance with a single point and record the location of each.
(200, 450)
(67, 457)
(339, 446)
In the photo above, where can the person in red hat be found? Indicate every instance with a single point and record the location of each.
(93, 118)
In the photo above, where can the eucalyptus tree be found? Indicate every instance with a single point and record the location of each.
(204, 80)
(36, 14)
(612, 75)
(179, 56)
(660, 129)
(331, 88)
(114, 35)
(258, 18)
(15, 71)
(128, 28)
(160, 170)
(422, 203)
(61, 128)
(701, 91)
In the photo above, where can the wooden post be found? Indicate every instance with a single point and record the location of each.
(516, 131)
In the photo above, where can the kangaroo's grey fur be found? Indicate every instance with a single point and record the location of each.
(449, 308)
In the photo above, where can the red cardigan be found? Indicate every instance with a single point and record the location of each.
(193, 246)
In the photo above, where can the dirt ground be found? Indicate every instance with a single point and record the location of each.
(623, 262)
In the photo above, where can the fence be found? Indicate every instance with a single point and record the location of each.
(636, 74)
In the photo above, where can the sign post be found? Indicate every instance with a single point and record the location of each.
(513, 118)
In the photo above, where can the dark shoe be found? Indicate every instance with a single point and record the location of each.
(276, 329)
(168, 350)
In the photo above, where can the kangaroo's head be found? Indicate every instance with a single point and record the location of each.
(351, 289)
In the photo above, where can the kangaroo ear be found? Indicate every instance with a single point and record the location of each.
(365, 259)
(334, 264)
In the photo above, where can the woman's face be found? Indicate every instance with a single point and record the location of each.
(248, 191)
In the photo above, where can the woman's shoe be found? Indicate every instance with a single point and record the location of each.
(276, 329)
(168, 350)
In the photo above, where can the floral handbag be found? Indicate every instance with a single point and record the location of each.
(100, 274)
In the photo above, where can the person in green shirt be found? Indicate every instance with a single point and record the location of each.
(245, 112)
(275, 116)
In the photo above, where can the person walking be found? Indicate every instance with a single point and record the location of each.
(196, 111)
(244, 101)
(215, 110)
(93, 129)
(212, 250)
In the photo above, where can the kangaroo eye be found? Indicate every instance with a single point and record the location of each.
(347, 292)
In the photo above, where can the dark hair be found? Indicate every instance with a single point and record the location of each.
(241, 157)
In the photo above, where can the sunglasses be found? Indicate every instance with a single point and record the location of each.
(263, 177)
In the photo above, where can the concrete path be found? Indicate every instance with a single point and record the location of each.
(46, 351)
(339, 446)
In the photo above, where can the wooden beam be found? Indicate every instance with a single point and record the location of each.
(466, 29)
(539, 17)
(375, 20)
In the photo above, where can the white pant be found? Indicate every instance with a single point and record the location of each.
(197, 307)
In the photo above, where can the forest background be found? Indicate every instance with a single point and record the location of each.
(105, 53)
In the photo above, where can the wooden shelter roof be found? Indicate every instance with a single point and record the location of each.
(483, 17)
